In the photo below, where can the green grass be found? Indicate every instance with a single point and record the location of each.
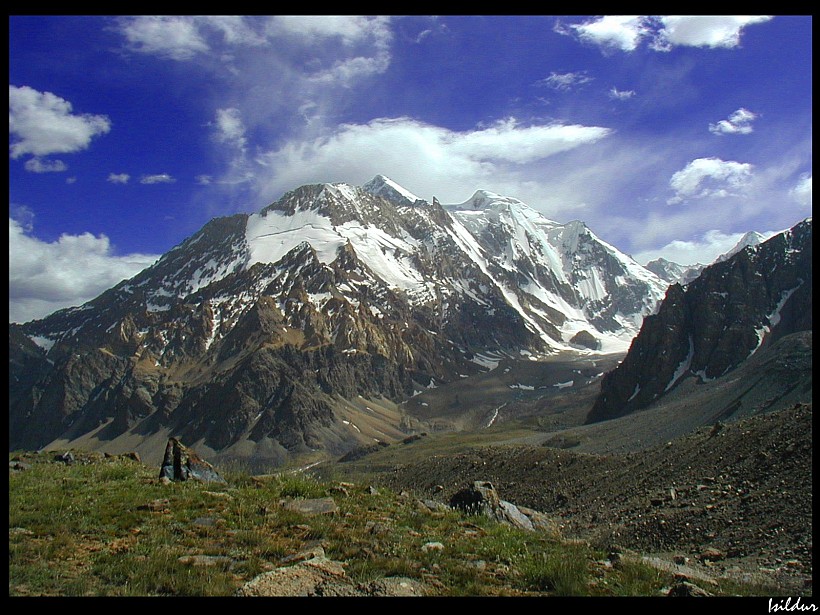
(108, 527)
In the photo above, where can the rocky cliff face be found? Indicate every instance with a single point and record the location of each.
(714, 324)
(258, 325)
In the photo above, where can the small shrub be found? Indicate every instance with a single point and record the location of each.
(563, 573)
(635, 579)
(299, 486)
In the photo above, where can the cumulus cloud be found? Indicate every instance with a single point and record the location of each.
(703, 30)
(118, 178)
(802, 190)
(42, 123)
(709, 177)
(38, 165)
(623, 32)
(739, 123)
(160, 178)
(627, 32)
(616, 94)
(45, 277)
(563, 82)
(420, 156)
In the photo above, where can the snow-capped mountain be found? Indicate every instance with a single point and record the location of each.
(256, 326)
(561, 277)
(750, 239)
(672, 272)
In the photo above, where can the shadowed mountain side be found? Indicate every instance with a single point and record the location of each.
(775, 378)
(732, 311)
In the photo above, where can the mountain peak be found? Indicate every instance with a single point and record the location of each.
(752, 238)
(383, 186)
(484, 199)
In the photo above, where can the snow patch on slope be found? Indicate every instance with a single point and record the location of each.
(774, 318)
(683, 366)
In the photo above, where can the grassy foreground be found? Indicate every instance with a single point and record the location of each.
(109, 527)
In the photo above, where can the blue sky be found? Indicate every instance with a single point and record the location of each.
(668, 136)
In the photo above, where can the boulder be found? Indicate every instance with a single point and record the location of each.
(586, 340)
(482, 498)
(66, 458)
(181, 463)
(684, 588)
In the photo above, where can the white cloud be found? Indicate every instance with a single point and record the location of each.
(43, 123)
(622, 32)
(184, 37)
(175, 37)
(365, 40)
(616, 94)
(563, 82)
(709, 177)
(350, 29)
(740, 122)
(346, 72)
(161, 178)
(44, 277)
(118, 178)
(703, 30)
(235, 29)
(703, 248)
(626, 32)
(230, 128)
(38, 165)
(204, 180)
(370, 35)
(71, 180)
(422, 157)
(23, 215)
(422, 35)
(802, 190)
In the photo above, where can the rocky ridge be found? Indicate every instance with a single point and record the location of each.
(715, 323)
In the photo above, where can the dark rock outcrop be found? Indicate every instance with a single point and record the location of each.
(586, 339)
(482, 499)
(714, 324)
(181, 463)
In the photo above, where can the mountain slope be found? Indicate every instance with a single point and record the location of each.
(714, 324)
(260, 328)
